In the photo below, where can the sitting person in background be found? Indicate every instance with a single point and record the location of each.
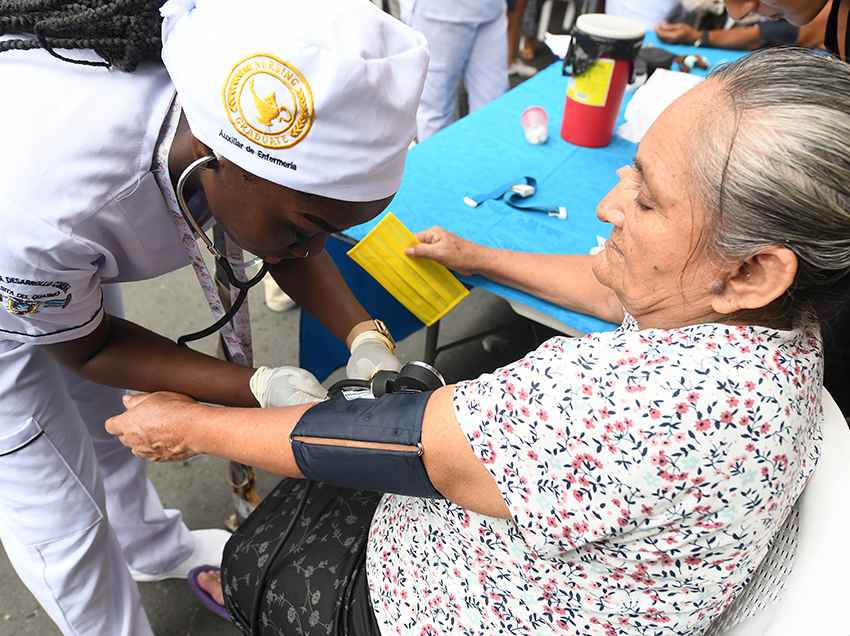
(623, 483)
(650, 12)
(756, 35)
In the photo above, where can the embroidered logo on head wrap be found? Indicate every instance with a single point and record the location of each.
(269, 101)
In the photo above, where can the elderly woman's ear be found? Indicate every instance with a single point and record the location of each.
(757, 282)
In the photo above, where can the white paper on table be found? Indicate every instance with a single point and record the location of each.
(651, 99)
(559, 44)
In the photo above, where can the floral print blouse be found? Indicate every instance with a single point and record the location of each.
(646, 472)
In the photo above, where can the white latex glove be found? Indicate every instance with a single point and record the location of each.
(286, 386)
(369, 354)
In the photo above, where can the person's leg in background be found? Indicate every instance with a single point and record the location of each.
(486, 76)
(530, 27)
(451, 44)
(516, 10)
(154, 540)
(516, 16)
(53, 513)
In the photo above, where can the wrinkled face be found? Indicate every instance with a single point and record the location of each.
(653, 260)
(274, 222)
(797, 12)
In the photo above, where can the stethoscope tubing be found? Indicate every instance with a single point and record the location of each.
(221, 260)
(514, 194)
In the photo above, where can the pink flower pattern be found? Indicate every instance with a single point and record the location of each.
(645, 471)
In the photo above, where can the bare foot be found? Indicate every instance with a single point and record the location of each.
(210, 582)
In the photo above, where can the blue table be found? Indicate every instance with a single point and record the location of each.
(477, 154)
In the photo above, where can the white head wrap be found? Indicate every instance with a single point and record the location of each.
(316, 95)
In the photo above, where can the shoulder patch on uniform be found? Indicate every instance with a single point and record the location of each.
(24, 297)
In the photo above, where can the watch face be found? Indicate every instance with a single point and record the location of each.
(381, 328)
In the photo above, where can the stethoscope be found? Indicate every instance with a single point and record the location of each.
(221, 260)
(514, 194)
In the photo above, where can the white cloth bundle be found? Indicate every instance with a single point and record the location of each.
(651, 99)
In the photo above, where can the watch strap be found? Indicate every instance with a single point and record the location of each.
(371, 326)
(373, 336)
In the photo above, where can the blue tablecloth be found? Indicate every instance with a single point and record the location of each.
(481, 152)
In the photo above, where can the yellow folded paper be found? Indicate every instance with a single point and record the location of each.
(426, 288)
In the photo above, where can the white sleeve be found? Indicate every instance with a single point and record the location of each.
(49, 293)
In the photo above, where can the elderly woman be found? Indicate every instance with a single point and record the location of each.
(621, 483)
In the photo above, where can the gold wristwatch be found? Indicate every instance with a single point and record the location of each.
(381, 328)
(376, 327)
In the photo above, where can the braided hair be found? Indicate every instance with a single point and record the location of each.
(122, 32)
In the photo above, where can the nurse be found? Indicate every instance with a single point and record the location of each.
(282, 123)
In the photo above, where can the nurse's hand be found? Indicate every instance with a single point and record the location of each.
(456, 253)
(370, 356)
(154, 426)
(286, 386)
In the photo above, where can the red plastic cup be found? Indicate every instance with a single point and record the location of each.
(594, 97)
(535, 124)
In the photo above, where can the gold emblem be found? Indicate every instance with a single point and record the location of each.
(269, 101)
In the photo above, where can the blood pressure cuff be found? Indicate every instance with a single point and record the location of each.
(777, 33)
(392, 419)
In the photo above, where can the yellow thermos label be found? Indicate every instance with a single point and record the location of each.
(591, 87)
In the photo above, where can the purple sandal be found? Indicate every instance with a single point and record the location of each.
(207, 600)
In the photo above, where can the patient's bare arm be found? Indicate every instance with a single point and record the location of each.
(563, 279)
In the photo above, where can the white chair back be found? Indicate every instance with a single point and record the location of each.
(801, 587)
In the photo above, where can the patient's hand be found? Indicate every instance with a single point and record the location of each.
(155, 425)
(456, 253)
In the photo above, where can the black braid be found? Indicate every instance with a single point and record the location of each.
(122, 32)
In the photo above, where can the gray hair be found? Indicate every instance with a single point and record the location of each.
(784, 177)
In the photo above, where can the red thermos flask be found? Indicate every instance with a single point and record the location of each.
(602, 56)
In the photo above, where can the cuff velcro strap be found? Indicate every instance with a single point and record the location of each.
(393, 419)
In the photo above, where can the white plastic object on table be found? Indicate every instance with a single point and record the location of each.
(535, 125)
